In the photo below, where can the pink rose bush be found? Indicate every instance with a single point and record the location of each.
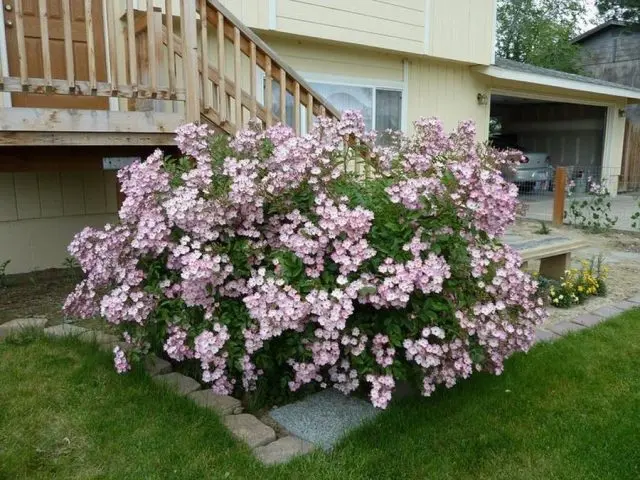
(267, 264)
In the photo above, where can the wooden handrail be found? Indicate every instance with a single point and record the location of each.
(277, 61)
(147, 67)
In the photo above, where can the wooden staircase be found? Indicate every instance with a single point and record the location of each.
(167, 62)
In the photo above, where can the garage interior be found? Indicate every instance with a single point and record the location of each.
(572, 135)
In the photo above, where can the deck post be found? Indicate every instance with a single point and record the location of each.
(190, 52)
(559, 196)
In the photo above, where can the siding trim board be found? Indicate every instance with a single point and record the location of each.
(405, 95)
(427, 23)
(273, 14)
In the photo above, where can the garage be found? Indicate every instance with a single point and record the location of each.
(551, 134)
(577, 122)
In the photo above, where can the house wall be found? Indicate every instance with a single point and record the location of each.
(40, 212)
(461, 30)
(447, 90)
(614, 55)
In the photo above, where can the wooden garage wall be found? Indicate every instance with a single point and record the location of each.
(572, 134)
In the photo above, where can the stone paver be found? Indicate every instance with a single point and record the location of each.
(282, 450)
(249, 429)
(22, 323)
(156, 366)
(635, 299)
(179, 383)
(545, 335)
(625, 305)
(324, 417)
(65, 330)
(588, 320)
(222, 404)
(563, 328)
(607, 311)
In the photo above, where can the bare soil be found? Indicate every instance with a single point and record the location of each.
(621, 251)
(37, 293)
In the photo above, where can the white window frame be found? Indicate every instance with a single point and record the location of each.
(399, 86)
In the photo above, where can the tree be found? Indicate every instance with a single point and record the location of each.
(626, 10)
(539, 32)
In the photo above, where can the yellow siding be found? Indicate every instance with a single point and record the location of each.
(253, 13)
(311, 56)
(448, 91)
(461, 30)
(40, 213)
(366, 22)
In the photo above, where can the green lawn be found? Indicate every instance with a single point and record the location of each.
(569, 410)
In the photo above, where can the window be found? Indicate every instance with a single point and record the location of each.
(380, 106)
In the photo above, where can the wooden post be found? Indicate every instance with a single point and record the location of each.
(113, 48)
(237, 78)
(68, 45)
(91, 48)
(222, 85)
(44, 32)
(131, 40)
(22, 49)
(171, 48)
(207, 94)
(151, 51)
(296, 107)
(559, 196)
(268, 94)
(309, 112)
(190, 67)
(283, 96)
(253, 104)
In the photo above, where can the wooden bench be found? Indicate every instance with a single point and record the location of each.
(554, 254)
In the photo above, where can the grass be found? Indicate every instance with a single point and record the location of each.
(567, 410)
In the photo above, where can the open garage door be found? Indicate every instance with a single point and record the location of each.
(551, 134)
(570, 135)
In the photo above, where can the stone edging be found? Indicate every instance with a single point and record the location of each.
(586, 320)
(260, 437)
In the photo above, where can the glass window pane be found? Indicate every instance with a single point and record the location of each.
(349, 97)
(276, 103)
(388, 110)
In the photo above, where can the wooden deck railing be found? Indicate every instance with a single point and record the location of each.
(194, 53)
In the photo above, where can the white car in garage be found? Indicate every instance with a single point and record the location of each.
(533, 171)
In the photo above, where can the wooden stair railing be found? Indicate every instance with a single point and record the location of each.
(218, 42)
(194, 53)
(246, 47)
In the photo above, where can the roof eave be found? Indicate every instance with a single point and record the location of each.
(599, 28)
(567, 84)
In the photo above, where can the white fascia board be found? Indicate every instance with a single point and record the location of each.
(575, 85)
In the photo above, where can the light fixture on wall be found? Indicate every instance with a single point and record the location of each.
(483, 99)
(622, 113)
